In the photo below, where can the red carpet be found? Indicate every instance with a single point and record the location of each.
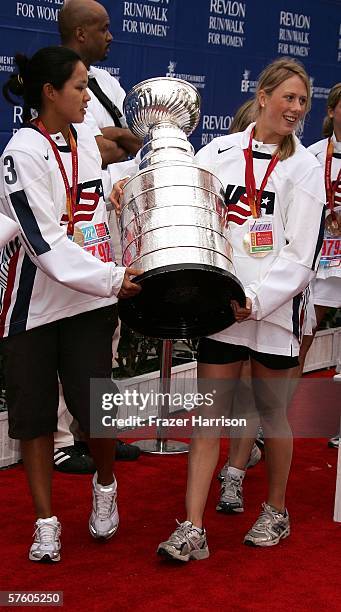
(302, 573)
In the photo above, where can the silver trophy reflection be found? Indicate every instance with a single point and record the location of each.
(174, 227)
(174, 222)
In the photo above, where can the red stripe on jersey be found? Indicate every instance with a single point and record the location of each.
(85, 195)
(8, 293)
(234, 219)
(240, 209)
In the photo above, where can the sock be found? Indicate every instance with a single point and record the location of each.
(110, 487)
(276, 510)
(50, 519)
(235, 472)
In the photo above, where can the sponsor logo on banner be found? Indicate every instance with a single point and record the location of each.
(114, 71)
(17, 118)
(149, 18)
(7, 63)
(246, 85)
(45, 10)
(226, 23)
(214, 126)
(339, 45)
(197, 80)
(294, 33)
(318, 92)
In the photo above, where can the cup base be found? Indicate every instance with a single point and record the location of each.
(182, 301)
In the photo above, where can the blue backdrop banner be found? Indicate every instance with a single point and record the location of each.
(218, 45)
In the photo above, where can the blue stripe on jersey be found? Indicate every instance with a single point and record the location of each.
(296, 315)
(259, 155)
(20, 310)
(28, 222)
(320, 238)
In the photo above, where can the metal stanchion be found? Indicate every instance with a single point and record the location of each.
(162, 446)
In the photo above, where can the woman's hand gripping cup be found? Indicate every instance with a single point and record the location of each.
(241, 312)
(117, 193)
(128, 288)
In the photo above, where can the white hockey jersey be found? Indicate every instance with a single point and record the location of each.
(330, 264)
(294, 201)
(45, 276)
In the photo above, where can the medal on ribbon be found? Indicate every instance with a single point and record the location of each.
(258, 241)
(74, 233)
(78, 236)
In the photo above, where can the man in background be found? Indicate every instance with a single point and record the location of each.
(84, 27)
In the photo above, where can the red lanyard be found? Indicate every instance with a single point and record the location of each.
(71, 193)
(330, 188)
(254, 197)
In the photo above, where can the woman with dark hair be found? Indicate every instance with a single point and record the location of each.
(275, 207)
(59, 282)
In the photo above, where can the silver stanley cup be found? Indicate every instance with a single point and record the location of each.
(174, 221)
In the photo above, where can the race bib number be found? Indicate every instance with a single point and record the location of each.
(331, 253)
(261, 236)
(96, 240)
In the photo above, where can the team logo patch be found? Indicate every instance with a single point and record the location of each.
(88, 196)
(238, 206)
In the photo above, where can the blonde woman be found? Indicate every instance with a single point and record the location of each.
(275, 199)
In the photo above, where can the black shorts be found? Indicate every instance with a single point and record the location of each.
(219, 353)
(76, 349)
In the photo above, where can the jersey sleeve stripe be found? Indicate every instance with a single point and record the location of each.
(8, 293)
(19, 316)
(319, 239)
(28, 222)
(296, 316)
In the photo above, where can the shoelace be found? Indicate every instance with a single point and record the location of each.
(104, 503)
(230, 482)
(47, 532)
(265, 519)
(182, 532)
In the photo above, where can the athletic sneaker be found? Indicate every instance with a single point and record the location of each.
(186, 542)
(126, 452)
(103, 522)
(46, 545)
(337, 377)
(255, 457)
(270, 527)
(231, 494)
(260, 439)
(123, 451)
(73, 460)
(334, 442)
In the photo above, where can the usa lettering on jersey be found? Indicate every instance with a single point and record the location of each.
(238, 206)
